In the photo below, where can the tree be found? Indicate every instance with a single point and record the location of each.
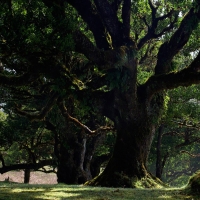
(98, 58)
(175, 149)
(74, 149)
(25, 145)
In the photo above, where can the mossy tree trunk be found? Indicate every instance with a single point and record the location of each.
(135, 132)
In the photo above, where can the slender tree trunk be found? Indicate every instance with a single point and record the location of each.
(160, 159)
(91, 167)
(159, 168)
(27, 175)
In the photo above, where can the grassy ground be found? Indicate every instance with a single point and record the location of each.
(18, 191)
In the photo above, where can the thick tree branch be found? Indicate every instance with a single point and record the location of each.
(110, 20)
(88, 13)
(85, 128)
(34, 166)
(38, 116)
(104, 59)
(148, 52)
(126, 12)
(115, 5)
(185, 77)
(169, 49)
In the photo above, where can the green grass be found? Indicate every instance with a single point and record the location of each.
(14, 191)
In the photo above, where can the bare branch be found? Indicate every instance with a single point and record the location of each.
(153, 7)
(145, 22)
(190, 154)
(85, 128)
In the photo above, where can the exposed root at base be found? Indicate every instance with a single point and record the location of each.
(121, 180)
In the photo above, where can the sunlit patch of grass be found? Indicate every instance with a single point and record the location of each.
(78, 192)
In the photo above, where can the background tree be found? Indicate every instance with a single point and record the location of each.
(177, 138)
(25, 145)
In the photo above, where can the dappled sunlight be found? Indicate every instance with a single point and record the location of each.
(58, 195)
(80, 192)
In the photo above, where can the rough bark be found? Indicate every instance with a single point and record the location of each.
(135, 131)
(70, 160)
(128, 162)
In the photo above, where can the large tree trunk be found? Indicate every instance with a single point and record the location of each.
(128, 163)
(135, 132)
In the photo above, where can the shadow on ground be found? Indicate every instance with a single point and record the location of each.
(12, 191)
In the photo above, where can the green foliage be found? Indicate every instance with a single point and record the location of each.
(181, 134)
(3, 116)
(107, 147)
(23, 141)
(143, 76)
(32, 28)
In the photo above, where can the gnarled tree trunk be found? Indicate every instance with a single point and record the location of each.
(135, 124)
(128, 163)
(75, 158)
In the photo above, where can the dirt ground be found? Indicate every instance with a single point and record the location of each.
(36, 177)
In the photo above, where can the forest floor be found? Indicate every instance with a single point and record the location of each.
(13, 191)
(49, 190)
